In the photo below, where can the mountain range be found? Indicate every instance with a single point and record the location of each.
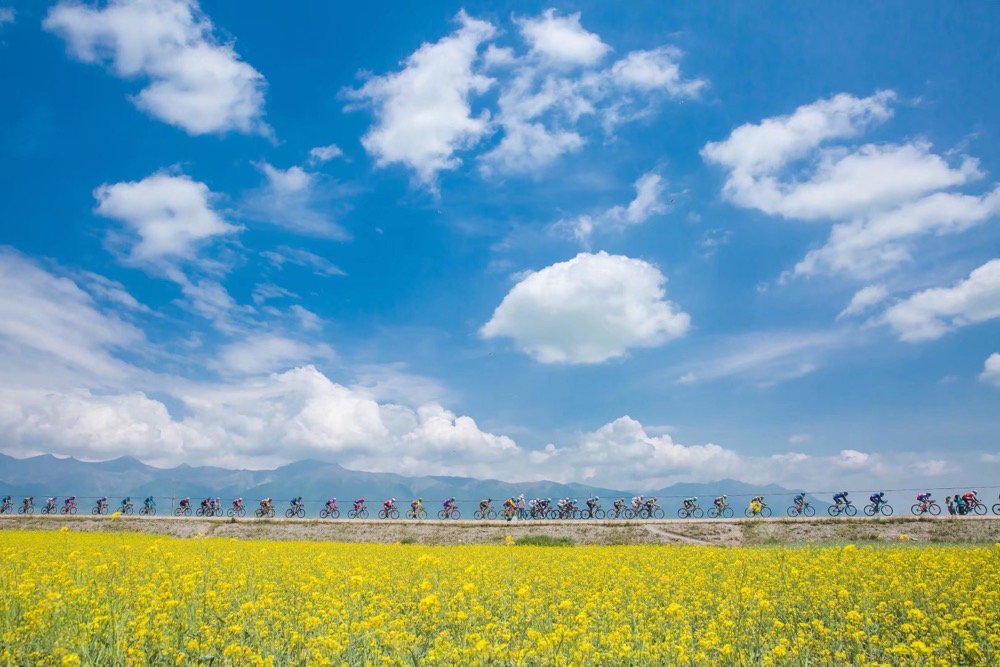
(316, 481)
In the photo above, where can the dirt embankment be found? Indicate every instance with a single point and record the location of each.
(697, 531)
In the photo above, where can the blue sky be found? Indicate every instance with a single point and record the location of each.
(574, 241)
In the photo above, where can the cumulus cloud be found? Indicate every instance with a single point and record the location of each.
(423, 114)
(195, 82)
(882, 197)
(872, 246)
(589, 309)
(169, 217)
(931, 313)
(991, 370)
(562, 40)
(648, 202)
(7, 15)
(864, 299)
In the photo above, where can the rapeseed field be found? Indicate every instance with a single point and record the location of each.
(71, 598)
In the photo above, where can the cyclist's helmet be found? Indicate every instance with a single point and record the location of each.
(420, 500)
(696, 497)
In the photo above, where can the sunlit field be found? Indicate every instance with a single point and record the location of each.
(71, 598)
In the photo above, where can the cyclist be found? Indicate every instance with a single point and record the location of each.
(331, 505)
(102, 504)
(70, 503)
(757, 504)
(359, 504)
(185, 502)
(690, 503)
(416, 506)
(206, 504)
(923, 498)
(7, 503)
(389, 505)
(149, 502)
(29, 501)
(971, 499)
(720, 502)
(960, 504)
(50, 504)
(485, 505)
(651, 505)
(619, 505)
(637, 502)
(237, 504)
(449, 507)
(265, 505)
(593, 502)
(840, 499)
(800, 501)
(217, 504)
(126, 502)
(877, 499)
(296, 502)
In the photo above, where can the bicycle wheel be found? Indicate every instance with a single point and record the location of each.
(916, 509)
(658, 513)
(980, 509)
(382, 514)
(21, 509)
(478, 514)
(791, 511)
(241, 512)
(698, 513)
(748, 513)
(152, 511)
(200, 511)
(765, 511)
(289, 513)
(323, 513)
(870, 510)
(230, 512)
(599, 513)
(441, 514)
(177, 512)
(935, 509)
(996, 509)
(886, 509)
(682, 513)
(851, 510)
(809, 510)
(301, 513)
(352, 514)
(833, 510)
(727, 512)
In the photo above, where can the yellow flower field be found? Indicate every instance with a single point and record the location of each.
(115, 599)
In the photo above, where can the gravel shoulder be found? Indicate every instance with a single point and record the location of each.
(727, 532)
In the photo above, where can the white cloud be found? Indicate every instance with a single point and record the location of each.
(648, 202)
(864, 299)
(282, 255)
(48, 324)
(321, 154)
(657, 69)
(423, 114)
(196, 82)
(294, 199)
(7, 15)
(171, 215)
(991, 370)
(263, 292)
(561, 40)
(874, 245)
(587, 310)
(799, 438)
(931, 313)
(308, 320)
(883, 197)
(755, 149)
(265, 353)
(765, 358)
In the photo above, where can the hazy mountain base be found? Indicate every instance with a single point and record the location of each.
(744, 532)
(316, 481)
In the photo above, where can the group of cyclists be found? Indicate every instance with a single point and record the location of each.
(521, 508)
